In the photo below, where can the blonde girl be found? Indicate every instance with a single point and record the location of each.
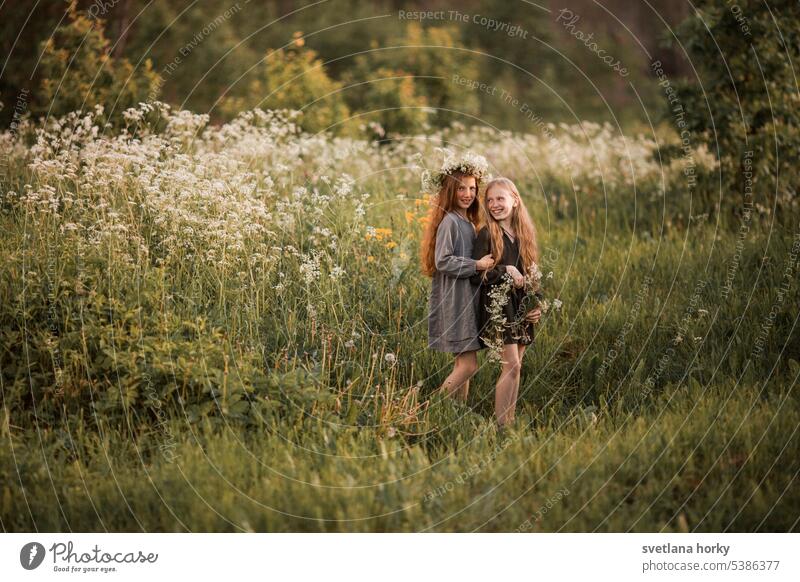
(510, 238)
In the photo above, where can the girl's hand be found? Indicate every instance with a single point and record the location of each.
(534, 315)
(485, 263)
(516, 276)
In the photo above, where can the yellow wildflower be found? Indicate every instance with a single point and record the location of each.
(381, 233)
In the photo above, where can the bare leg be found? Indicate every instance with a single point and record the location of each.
(457, 383)
(521, 351)
(507, 389)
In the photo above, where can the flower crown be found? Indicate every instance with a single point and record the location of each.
(467, 163)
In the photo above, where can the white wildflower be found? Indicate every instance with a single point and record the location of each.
(467, 162)
(309, 268)
(498, 299)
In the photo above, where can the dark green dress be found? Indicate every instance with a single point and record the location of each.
(517, 306)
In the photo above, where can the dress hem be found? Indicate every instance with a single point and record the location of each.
(453, 349)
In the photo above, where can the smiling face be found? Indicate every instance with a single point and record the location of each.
(500, 203)
(466, 191)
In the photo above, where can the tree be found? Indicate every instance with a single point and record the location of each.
(432, 56)
(78, 71)
(391, 100)
(294, 78)
(745, 104)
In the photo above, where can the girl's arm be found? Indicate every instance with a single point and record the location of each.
(481, 249)
(447, 262)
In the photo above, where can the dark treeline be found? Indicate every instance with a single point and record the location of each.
(208, 53)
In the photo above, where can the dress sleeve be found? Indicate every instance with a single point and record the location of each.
(480, 249)
(447, 262)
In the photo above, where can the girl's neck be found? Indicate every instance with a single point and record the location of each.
(506, 226)
(461, 212)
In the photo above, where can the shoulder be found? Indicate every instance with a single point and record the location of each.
(483, 234)
(449, 218)
(450, 223)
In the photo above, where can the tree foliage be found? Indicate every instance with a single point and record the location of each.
(432, 56)
(79, 73)
(745, 103)
(390, 99)
(295, 78)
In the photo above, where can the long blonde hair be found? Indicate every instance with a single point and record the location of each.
(521, 223)
(445, 202)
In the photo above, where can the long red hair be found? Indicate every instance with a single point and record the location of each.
(521, 223)
(445, 202)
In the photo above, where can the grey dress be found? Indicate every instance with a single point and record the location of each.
(452, 315)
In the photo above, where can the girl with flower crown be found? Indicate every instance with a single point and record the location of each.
(447, 257)
(509, 292)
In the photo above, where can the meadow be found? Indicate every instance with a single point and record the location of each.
(223, 328)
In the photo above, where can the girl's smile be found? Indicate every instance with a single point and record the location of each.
(501, 203)
(466, 193)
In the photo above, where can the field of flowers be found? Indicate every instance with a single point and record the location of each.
(224, 328)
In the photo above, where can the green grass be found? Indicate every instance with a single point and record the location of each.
(158, 373)
(700, 459)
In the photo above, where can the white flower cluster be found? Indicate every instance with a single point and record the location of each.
(258, 196)
(467, 162)
(498, 299)
(309, 268)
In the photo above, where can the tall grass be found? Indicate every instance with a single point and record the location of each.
(225, 328)
(700, 459)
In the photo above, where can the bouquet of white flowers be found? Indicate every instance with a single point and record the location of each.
(499, 296)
